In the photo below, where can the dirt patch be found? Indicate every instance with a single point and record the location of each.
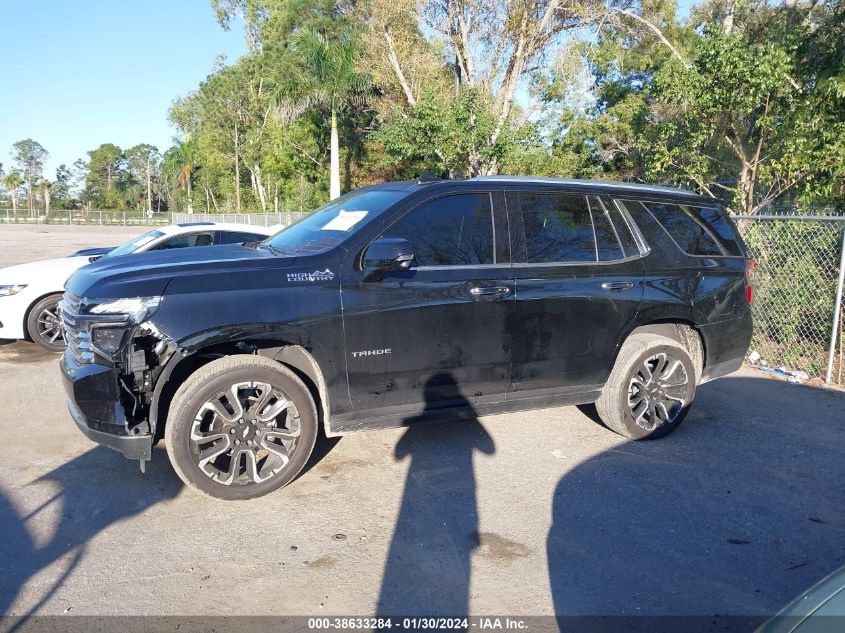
(324, 562)
(497, 547)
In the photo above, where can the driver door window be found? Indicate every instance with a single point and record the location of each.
(453, 230)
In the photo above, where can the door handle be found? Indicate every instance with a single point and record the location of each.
(617, 285)
(487, 291)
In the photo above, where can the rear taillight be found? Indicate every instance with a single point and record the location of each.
(750, 267)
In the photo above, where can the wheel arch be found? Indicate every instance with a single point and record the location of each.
(180, 366)
(681, 330)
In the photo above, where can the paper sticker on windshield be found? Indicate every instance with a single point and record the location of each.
(345, 220)
(317, 275)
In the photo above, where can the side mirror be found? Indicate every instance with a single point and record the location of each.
(388, 255)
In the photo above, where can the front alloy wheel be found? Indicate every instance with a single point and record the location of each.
(240, 427)
(44, 326)
(245, 434)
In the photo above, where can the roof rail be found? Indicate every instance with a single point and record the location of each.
(184, 224)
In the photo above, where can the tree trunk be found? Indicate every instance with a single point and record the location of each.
(47, 203)
(728, 20)
(334, 177)
(15, 200)
(237, 171)
(190, 195)
(259, 186)
(149, 190)
(29, 198)
(276, 198)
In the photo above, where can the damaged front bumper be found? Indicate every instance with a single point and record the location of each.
(94, 403)
(109, 370)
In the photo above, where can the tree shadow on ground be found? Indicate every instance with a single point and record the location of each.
(91, 492)
(428, 565)
(734, 514)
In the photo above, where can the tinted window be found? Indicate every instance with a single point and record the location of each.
(623, 230)
(453, 230)
(234, 237)
(557, 227)
(188, 240)
(607, 242)
(697, 230)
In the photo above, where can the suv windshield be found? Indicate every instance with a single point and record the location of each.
(333, 223)
(135, 243)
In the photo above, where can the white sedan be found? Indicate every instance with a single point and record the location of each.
(29, 293)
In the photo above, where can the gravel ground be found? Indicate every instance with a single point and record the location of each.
(530, 513)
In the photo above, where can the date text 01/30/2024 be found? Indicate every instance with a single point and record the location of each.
(416, 623)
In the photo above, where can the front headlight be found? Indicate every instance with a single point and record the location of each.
(137, 308)
(8, 291)
(107, 339)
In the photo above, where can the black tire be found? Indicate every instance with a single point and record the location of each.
(43, 326)
(639, 407)
(212, 386)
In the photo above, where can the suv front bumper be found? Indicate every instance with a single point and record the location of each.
(94, 403)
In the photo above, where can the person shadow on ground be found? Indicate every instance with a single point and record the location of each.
(92, 491)
(427, 572)
(713, 528)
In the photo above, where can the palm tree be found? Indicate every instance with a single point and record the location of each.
(46, 189)
(186, 150)
(325, 77)
(12, 182)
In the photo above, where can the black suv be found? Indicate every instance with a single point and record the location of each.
(403, 302)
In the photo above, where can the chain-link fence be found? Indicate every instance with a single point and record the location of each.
(84, 217)
(262, 219)
(796, 283)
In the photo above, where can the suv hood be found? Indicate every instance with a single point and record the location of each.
(147, 274)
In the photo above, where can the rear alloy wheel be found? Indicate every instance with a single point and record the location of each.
(241, 427)
(650, 389)
(44, 326)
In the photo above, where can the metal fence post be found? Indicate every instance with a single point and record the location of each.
(837, 311)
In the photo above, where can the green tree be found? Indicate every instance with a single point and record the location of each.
(12, 181)
(105, 176)
(62, 195)
(326, 76)
(143, 161)
(29, 156)
(736, 120)
(45, 186)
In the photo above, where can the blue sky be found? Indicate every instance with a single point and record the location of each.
(74, 75)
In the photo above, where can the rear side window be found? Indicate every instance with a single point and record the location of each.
(557, 228)
(607, 240)
(697, 230)
(454, 230)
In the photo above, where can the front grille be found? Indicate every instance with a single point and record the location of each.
(77, 333)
